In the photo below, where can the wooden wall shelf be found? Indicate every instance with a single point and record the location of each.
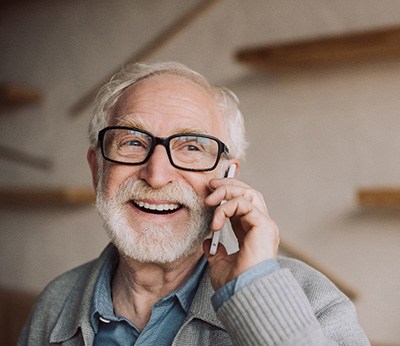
(326, 51)
(34, 196)
(148, 50)
(12, 95)
(387, 197)
(16, 155)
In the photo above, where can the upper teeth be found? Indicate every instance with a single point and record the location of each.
(161, 207)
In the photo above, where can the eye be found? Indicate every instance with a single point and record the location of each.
(132, 142)
(191, 147)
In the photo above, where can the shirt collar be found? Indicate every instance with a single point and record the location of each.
(187, 291)
(102, 296)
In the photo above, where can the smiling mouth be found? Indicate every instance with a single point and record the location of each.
(165, 208)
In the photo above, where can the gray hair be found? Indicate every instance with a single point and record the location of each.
(227, 101)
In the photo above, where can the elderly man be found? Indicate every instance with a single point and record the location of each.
(162, 139)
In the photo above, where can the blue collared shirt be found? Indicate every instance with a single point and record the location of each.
(167, 315)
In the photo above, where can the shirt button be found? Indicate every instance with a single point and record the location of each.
(104, 320)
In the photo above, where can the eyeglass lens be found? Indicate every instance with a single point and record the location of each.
(188, 151)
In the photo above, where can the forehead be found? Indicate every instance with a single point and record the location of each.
(165, 104)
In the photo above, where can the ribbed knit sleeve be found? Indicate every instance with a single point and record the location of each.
(275, 310)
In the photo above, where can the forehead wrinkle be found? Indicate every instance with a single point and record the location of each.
(138, 123)
(191, 131)
(133, 122)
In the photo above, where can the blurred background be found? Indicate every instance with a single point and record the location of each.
(319, 84)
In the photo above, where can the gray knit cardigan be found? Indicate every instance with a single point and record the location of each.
(294, 306)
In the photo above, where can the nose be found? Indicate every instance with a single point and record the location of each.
(158, 170)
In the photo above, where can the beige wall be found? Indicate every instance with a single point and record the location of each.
(315, 136)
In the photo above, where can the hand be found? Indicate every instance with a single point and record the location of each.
(257, 233)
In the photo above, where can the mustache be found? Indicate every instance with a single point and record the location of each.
(175, 192)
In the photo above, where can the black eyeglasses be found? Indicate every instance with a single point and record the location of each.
(187, 151)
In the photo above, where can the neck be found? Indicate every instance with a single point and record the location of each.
(138, 286)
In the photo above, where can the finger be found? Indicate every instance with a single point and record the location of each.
(227, 188)
(237, 208)
(227, 192)
(217, 182)
(265, 231)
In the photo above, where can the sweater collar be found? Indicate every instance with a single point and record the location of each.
(201, 307)
(76, 312)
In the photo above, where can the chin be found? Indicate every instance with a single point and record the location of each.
(158, 246)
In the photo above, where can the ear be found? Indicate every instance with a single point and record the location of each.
(94, 166)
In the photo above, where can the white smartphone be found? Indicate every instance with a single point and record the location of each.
(216, 235)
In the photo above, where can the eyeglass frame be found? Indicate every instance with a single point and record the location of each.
(164, 141)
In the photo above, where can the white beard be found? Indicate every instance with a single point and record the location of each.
(152, 243)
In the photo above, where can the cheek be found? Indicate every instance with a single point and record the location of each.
(202, 190)
(113, 176)
(200, 183)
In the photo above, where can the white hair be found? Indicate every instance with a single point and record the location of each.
(227, 101)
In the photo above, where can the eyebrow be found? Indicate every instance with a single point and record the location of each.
(192, 131)
(139, 124)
